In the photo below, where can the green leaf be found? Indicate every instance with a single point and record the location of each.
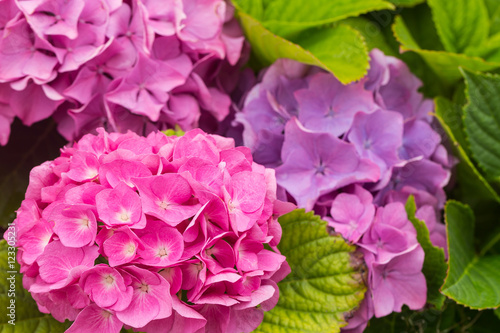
(497, 313)
(489, 50)
(445, 64)
(285, 17)
(482, 120)
(372, 35)
(435, 265)
(460, 23)
(326, 282)
(472, 280)
(493, 7)
(340, 50)
(177, 131)
(450, 118)
(27, 148)
(421, 25)
(407, 3)
(26, 317)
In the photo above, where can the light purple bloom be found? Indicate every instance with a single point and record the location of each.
(328, 106)
(354, 154)
(317, 163)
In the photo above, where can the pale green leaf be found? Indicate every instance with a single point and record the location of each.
(340, 50)
(435, 265)
(326, 282)
(460, 23)
(482, 120)
(472, 280)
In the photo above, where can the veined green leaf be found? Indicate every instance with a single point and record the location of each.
(326, 282)
(460, 23)
(482, 120)
(450, 118)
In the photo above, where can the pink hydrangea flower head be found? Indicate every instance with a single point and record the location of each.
(123, 230)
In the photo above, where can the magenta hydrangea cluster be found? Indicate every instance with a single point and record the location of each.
(354, 154)
(132, 64)
(156, 233)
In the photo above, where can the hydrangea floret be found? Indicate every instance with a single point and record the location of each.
(156, 233)
(132, 64)
(354, 154)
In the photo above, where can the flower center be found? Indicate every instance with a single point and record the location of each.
(331, 112)
(106, 314)
(130, 248)
(162, 252)
(163, 204)
(84, 221)
(380, 244)
(124, 217)
(145, 288)
(109, 280)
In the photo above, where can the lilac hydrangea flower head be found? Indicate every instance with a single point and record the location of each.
(183, 230)
(132, 65)
(354, 154)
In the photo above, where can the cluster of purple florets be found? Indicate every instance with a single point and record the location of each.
(157, 233)
(354, 154)
(132, 64)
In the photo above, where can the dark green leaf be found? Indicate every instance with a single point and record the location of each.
(482, 121)
(472, 280)
(435, 265)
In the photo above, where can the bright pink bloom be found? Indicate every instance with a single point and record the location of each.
(107, 287)
(120, 206)
(167, 197)
(95, 319)
(151, 298)
(121, 247)
(76, 225)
